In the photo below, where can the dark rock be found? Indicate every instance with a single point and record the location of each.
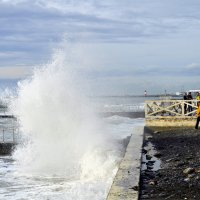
(144, 151)
(149, 175)
(146, 196)
(178, 147)
(166, 179)
(149, 167)
(180, 164)
(191, 175)
(162, 194)
(152, 191)
(136, 188)
(144, 192)
(149, 164)
(156, 132)
(187, 180)
(196, 165)
(153, 182)
(158, 155)
(151, 161)
(170, 196)
(189, 158)
(148, 157)
(149, 137)
(188, 170)
(169, 160)
(158, 175)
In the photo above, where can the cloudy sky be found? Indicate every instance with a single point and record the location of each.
(122, 47)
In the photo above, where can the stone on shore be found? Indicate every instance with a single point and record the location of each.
(179, 176)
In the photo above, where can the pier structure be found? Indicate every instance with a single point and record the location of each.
(8, 135)
(8, 139)
(170, 112)
(9, 131)
(160, 116)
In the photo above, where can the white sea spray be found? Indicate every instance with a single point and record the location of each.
(63, 135)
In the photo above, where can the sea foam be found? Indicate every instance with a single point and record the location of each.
(61, 134)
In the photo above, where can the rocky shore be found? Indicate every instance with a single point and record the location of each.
(170, 164)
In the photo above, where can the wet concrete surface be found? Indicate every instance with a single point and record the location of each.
(126, 182)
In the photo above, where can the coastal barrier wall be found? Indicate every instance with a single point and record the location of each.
(126, 181)
(6, 148)
(170, 122)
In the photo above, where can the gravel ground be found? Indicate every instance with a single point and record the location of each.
(170, 164)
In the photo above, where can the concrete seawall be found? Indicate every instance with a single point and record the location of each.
(171, 122)
(126, 181)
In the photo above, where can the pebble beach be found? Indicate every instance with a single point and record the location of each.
(177, 150)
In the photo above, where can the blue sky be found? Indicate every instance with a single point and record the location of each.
(121, 47)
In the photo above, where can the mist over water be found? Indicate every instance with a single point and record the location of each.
(62, 136)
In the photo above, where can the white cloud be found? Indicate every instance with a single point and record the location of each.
(14, 2)
(131, 36)
(14, 72)
(92, 21)
(11, 54)
(193, 66)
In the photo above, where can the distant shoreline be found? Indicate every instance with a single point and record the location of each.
(130, 96)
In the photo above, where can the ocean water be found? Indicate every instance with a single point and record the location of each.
(87, 176)
(65, 150)
(98, 170)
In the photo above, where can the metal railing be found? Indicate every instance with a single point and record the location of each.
(3, 110)
(170, 108)
(9, 135)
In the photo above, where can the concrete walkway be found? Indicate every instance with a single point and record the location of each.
(126, 181)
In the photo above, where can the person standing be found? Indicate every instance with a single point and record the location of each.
(198, 96)
(185, 105)
(198, 115)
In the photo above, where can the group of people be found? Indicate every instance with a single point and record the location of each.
(188, 107)
(189, 96)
